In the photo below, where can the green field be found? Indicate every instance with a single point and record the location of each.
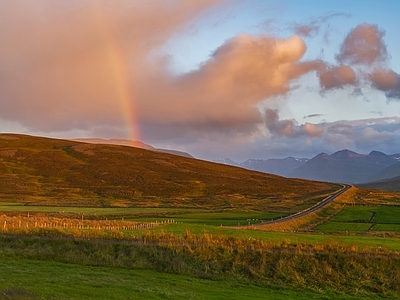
(146, 214)
(284, 237)
(354, 214)
(19, 207)
(386, 227)
(229, 218)
(343, 226)
(364, 218)
(33, 279)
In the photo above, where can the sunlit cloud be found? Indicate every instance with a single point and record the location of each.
(98, 68)
(363, 45)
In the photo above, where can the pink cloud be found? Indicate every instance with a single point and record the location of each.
(336, 77)
(363, 45)
(289, 128)
(387, 81)
(225, 90)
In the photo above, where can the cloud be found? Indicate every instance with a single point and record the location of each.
(336, 77)
(363, 46)
(313, 27)
(288, 128)
(387, 81)
(224, 92)
(313, 116)
(83, 66)
(67, 64)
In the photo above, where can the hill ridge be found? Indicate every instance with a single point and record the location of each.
(38, 170)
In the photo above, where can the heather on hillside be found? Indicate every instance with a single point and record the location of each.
(38, 170)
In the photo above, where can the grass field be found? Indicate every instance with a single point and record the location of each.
(343, 226)
(33, 279)
(19, 207)
(354, 214)
(364, 218)
(229, 218)
(386, 227)
(284, 237)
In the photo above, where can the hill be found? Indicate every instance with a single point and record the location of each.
(37, 170)
(390, 185)
(344, 166)
(386, 180)
(390, 172)
(136, 144)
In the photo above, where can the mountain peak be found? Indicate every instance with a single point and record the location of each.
(343, 154)
(322, 155)
(376, 153)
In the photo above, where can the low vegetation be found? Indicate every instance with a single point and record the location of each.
(77, 281)
(41, 171)
(364, 219)
(348, 270)
(71, 208)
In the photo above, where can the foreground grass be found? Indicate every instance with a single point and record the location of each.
(310, 268)
(287, 237)
(33, 279)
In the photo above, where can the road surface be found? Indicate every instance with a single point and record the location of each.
(309, 210)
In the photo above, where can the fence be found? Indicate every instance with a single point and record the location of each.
(25, 222)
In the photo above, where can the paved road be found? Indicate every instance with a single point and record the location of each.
(309, 210)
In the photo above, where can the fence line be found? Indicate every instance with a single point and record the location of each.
(26, 222)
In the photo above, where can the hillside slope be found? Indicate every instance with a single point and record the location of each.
(36, 170)
(136, 144)
(388, 173)
(389, 185)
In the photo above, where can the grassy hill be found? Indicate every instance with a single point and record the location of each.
(391, 185)
(44, 171)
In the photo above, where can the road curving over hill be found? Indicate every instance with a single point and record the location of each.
(309, 210)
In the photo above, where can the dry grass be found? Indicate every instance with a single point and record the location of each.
(307, 222)
(65, 173)
(33, 225)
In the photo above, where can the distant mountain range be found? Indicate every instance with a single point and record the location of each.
(346, 166)
(282, 167)
(342, 166)
(373, 170)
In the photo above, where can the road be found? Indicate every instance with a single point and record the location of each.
(309, 210)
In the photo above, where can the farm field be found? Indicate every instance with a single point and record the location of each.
(34, 279)
(283, 237)
(364, 218)
(147, 214)
(19, 207)
(229, 218)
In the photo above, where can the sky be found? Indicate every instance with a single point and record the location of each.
(215, 78)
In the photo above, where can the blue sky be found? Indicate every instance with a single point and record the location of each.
(276, 18)
(215, 78)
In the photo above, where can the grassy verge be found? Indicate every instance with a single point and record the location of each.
(319, 267)
(33, 279)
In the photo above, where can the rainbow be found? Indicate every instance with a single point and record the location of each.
(119, 75)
